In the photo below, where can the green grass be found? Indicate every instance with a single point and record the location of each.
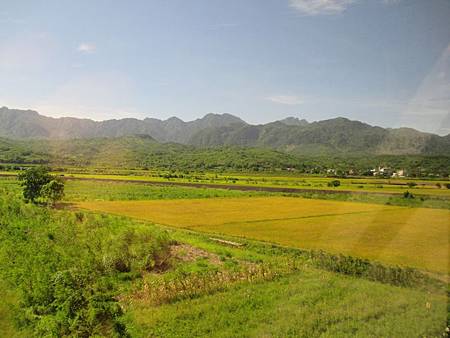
(311, 303)
(113, 191)
(368, 185)
(40, 244)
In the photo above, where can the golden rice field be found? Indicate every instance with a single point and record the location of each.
(416, 237)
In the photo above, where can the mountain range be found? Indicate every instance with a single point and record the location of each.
(292, 135)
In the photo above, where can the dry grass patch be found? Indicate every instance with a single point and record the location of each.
(395, 235)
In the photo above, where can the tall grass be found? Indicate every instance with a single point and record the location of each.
(66, 267)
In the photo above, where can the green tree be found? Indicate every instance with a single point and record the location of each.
(53, 191)
(39, 185)
(32, 181)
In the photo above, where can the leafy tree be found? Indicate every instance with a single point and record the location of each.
(38, 184)
(32, 181)
(53, 191)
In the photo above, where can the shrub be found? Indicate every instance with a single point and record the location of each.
(407, 194)
(64, 274)
(334, 183)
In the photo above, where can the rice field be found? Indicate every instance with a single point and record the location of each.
(415, 237)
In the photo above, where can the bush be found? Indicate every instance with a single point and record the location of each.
(407, 194)
(62, 268)
(334, 183)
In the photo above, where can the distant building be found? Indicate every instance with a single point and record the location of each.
(382, 171)
(399, 173)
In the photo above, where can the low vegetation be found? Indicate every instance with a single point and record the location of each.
(75, 273)
(65, 267)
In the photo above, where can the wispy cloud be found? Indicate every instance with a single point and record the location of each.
(86, 48)
(286, 99)
(320, 7)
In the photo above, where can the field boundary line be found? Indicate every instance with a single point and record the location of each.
(304, 217)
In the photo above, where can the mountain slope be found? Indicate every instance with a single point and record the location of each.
(139, 151)
(332, 136)
(25, 124)
(328, 137)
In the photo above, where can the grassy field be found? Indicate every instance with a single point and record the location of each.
(369, 185)
(387, 186)
(88, 190)
(394, 235)
(307, 304)
(64, 272)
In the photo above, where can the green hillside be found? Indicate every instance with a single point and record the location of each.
(142, 151)
(335, 136)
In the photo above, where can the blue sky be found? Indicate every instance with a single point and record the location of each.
(386, 62)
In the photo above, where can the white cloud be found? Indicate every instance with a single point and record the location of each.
(320, 7)
(86, 48)
(285, 99)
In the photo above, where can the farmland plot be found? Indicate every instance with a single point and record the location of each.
(413, 237)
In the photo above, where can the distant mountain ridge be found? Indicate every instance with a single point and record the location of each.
(334, 136)
(29, 124)
(292, 135)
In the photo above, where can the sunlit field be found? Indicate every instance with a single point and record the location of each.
(194, 285)
(414, 237)
(288, 181)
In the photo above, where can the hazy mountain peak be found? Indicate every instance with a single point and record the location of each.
(332, 136)
(293, 121)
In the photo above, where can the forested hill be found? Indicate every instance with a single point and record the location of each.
(338, 135)
(142, 151)
(291, 135)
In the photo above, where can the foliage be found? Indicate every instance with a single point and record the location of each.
(66, 267)
(407, 194)
(334, 183)
(143, 152)
(38, 184)
(53, 191)
(33, 180)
